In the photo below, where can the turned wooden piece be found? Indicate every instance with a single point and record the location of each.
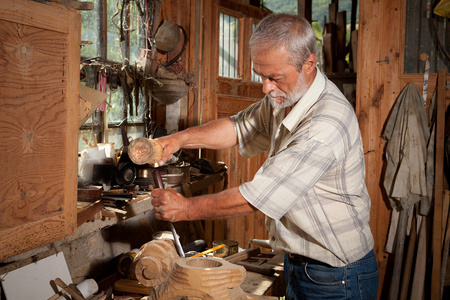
(145, 151)
(168, 276)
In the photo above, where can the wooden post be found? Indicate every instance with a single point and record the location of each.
(438, 185)
(305, 9)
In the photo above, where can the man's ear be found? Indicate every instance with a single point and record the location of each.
(310, 64)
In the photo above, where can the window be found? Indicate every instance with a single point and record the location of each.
(229, 46)
(110, 57)
(235, 23)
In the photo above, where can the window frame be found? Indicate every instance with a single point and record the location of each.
(241, 30)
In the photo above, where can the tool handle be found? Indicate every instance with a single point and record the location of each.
(157, 179)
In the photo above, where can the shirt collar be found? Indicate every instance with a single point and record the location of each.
(298, 112)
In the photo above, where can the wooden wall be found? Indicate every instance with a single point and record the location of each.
(224, 97)
(381, 34)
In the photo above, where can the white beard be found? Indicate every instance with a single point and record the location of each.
(290, 98)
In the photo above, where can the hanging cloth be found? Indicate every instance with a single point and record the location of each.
(407, 134)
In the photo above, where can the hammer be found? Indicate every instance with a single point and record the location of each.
(159, 184)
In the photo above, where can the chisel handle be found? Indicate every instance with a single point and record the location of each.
(157, 179)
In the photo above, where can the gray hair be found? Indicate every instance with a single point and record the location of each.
(292, 32)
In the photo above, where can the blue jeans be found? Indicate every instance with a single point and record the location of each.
(308, 279)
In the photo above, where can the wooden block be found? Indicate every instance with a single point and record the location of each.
(130, 286)
(95, 193)
(158, 267)
(243, 255)
(354, 49)
(90, 99)
(257, 284)
(108, 214)
(89, 212)
(332, 12)
(256, 268)
(328, 52)
(341, 32)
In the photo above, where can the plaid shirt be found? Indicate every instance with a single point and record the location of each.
(312, 187)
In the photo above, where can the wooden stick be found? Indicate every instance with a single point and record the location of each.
(69, 289)
(446, 247)
(417, 289)
(398, 260)
(408, 261)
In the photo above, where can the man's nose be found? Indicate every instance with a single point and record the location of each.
(268, 86)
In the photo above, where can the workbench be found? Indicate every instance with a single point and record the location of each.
(259, 284)
(256, 286)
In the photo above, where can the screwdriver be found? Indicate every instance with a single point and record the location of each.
(159, 184)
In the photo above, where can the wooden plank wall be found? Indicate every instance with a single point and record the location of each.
(378, 85)
(221, 98)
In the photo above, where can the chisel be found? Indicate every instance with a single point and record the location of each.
(160, 185)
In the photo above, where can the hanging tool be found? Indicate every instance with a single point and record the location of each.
(159, 184)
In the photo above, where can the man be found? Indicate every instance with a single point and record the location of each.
(311, 188)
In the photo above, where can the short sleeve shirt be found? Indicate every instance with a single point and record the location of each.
(312, 186)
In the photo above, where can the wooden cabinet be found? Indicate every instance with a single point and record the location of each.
(39, 92)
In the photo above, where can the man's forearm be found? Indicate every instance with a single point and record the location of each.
(226, 204)
(217, 135)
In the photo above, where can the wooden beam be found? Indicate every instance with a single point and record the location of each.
(438, 185)
(79, 5)
(305, 9)
(89, 212)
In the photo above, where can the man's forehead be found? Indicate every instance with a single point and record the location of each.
(268, 64)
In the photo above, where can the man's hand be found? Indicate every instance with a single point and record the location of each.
(170, 145)
(169, 205)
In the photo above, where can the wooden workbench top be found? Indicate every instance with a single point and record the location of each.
(263, 285)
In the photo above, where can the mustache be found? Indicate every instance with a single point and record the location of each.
(274, 94)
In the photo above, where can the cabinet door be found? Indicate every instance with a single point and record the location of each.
(39, 92)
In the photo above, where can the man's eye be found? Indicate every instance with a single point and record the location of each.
(273, 79)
